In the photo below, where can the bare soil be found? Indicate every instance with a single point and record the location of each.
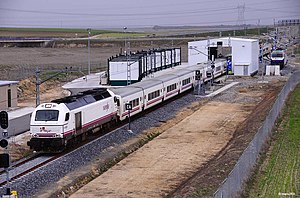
(20, 63)
(214, 171)
(172, 157)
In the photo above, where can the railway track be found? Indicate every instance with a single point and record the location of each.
(25, 166)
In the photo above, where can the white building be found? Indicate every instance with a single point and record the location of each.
(135, 66)
(244, 52)
(8, 94)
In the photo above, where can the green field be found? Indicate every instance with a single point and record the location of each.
(80, 32)
(64, 30)
(279, 171)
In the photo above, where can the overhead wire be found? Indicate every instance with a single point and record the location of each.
(149, 15)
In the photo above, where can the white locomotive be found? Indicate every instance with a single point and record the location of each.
(278, 57)
(53, 125)
(56, 124)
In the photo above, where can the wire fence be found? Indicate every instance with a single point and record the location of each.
(233, 184)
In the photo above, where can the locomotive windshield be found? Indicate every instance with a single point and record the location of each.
(46, 115)
(277, 54)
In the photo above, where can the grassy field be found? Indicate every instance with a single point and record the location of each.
(279, 171)
(64, 32)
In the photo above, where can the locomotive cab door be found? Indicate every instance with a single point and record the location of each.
(78, 123)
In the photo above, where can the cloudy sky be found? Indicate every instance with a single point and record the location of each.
(99, 14)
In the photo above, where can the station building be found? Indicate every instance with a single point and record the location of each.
(8, 94)
(244, 53)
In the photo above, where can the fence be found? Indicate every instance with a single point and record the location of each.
(233, 184)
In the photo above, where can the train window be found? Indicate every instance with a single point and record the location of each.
(135, 102)
(171, 87)
(67, 117)
(153, 95)
(46, 115)
(186, 81)
(118, 102)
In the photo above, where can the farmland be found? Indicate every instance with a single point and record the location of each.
(279, 171)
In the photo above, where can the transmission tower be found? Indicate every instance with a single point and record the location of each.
(241, 15)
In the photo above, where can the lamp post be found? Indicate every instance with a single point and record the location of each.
(127, 58)
(124, 29)
(89, 51)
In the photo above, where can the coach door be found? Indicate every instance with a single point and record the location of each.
(78, 122)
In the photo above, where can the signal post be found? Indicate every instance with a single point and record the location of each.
(4, 157)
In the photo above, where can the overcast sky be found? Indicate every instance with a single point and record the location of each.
(99, 14)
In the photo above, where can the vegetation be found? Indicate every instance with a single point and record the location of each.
(79, 32)
(61, 30)
(279, 172)
(240, 32)
(122, 34)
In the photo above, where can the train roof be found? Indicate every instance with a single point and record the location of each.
(125, 91)
(181, 71)
(196, 67)
(145, 84)
(83, 98)
(166, 77)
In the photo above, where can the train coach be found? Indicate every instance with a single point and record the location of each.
(64, 121)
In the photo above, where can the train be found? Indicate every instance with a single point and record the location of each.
(278, 57)
(61, 122)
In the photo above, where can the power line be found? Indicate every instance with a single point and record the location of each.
(241, 15)
(163, 13)
(272, 9)
(173, 24)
